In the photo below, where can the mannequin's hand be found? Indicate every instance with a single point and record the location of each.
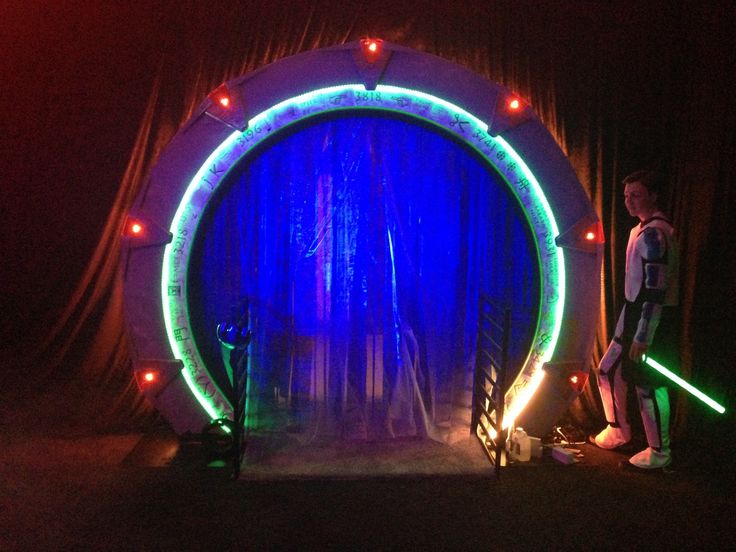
(637, 350)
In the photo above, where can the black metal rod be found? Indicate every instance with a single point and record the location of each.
(485, 395)
(487, 325)
(492, 341)
(484, 316)
(484, 374)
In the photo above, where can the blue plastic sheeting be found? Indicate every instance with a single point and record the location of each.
(358, 246)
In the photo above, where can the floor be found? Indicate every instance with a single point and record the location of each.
(71, 487)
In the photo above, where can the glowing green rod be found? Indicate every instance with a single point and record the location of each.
(685, 385)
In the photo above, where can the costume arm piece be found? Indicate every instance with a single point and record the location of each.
(652, 247)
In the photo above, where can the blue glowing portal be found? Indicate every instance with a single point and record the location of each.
(359, 244)
(439, 114)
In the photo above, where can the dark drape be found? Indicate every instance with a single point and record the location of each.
(91, 94)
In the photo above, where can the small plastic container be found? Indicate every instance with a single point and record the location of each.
(521, 446)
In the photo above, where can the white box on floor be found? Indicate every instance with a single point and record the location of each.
(563, 455)
(536, 445)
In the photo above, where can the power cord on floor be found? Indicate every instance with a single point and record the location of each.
(562, 437)
(563, 447)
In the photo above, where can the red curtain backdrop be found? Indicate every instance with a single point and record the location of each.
(90, 93)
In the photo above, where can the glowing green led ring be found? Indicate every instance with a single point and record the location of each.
(352, 97)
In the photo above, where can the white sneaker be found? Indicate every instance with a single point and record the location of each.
(611, 438)
(650, 459)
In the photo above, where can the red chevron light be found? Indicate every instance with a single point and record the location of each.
(594, 233)
(134, 228)
(371, 48)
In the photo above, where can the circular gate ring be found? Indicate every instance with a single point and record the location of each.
(241, 114)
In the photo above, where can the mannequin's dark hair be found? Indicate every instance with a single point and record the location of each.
(651, 180)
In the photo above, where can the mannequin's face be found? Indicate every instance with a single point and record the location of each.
(639, 201)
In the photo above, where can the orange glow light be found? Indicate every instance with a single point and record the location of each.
(149, 377)
(593, 233)
(577, 381)
(136, 228)
(514, 104)
(224, 101)
(371, 48)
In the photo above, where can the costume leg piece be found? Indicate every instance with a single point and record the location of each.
(613, 391)
(654, 405)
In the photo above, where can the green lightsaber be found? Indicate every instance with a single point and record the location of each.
(685, 385)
